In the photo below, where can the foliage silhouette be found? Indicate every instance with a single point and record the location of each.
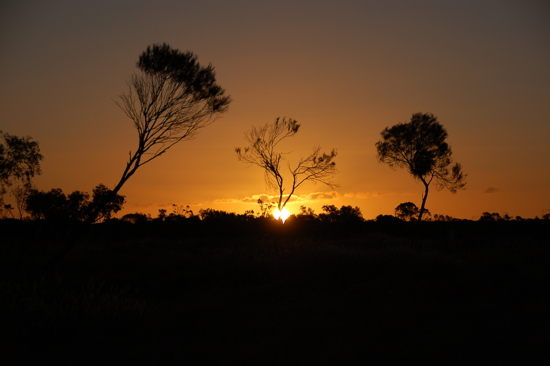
(307, 213)
(439, 217)
(407, 211)
(265, 209)
(346, 214)
(495, 216)
(77, 206)
(419, 146)
(316, 167)
(169, 101)
(19, 162)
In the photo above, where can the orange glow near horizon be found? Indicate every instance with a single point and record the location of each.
(282, 214)
(491, 97)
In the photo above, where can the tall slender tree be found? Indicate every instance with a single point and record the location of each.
(419, 146)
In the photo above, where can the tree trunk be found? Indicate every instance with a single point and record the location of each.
(424, 197)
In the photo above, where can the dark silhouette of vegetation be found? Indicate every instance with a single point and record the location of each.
(265, 209)
(388, 219)
(495, 216)
(419, 146)
(440, 217)
(169, 100)
(346, 214)
(136, 218)
(19, 162)
(312, 290)
(77, 206)
(407, 211)
(316, 167)
(307, 213)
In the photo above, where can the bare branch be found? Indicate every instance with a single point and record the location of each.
(316, 167)
(169, 101)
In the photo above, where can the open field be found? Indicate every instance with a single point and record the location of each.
(259, 293)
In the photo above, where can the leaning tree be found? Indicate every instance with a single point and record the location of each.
(169, 100)
(419, 146)
(316, 167)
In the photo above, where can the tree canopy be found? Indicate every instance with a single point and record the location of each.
(77, 206)
(420, 147)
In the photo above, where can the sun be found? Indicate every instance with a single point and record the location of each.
(282, 214)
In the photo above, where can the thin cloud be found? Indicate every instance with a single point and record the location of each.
(161, 205)
(363, 195)
(321, 196)
(315, 196)
(492, 189)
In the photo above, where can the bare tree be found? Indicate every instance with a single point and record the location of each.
(420, 147)
(316, 167)
(169, 101)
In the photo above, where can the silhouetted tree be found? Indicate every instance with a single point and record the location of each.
(407, 211)
(211, 214)
(307, 213)
(19, 161)
(77, 206)
(20, 193)
(344, 214)
(420, 147)
(169, 100)
(439, 217)
(316, 167)
(487, 216)
(162, 214)
(136, 218)
(265, 208)
(181, 210)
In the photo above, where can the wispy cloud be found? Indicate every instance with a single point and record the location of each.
(161, 205)
(363, 195)
(492, 189)
(315, 196)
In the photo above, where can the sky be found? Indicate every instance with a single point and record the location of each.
(343, 69)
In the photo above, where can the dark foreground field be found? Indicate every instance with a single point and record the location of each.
(259, 293)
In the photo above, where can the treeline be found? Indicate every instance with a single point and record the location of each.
(340, 226)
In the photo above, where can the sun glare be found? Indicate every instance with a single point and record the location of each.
(282, 214)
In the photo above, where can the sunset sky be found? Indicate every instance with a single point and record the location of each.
(344, 69)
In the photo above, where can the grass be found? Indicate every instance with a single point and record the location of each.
(279, 298)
